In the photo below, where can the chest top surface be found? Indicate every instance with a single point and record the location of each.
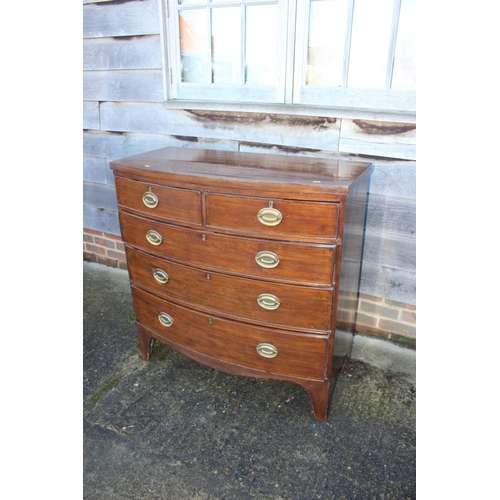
(212, 169)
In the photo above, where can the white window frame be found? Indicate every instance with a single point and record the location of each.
(290, 91)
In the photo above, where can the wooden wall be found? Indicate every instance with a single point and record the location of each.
(125, 113)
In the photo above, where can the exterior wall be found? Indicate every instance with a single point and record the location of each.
(125, 113)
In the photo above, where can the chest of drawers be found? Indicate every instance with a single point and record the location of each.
(248, 263)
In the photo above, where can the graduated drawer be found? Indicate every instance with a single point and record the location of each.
(306, 219)
(295, 262)
(158, 201)
(276, 304)
(294, 354)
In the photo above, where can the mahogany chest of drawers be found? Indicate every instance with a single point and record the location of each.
(248, 263)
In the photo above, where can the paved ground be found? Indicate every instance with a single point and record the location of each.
(171, 429)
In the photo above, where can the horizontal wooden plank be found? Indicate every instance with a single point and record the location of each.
(402, 151)
(139, 17)
(394, 178)
(91, 115)
(389, 250)
(379, 131)
(392, 284)
(95, 169)
(101, 220)
(122, 85)
(99, 196)
(137, 52)
(118, 145)
(388, 214)
(378, 138)
(317, 133)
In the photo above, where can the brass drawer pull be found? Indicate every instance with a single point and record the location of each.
(165, 319)
(154, 237)
(267, 259)
(267, 350)
(160, 275)
(150, 199)
(269, 216)
(268, 301)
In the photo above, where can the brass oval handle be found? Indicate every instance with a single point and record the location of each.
(267, 259)
(165, 319)
(160, 275)
(154, 237)
(267, 350)
(150, 199)
(268, 301)
(269, 216)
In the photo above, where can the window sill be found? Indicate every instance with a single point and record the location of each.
(294, 110)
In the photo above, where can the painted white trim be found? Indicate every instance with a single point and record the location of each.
(295, 110)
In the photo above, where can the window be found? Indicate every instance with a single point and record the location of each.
(343, 53)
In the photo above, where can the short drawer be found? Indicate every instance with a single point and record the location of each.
(274, 260)
(157, 201)
(283, 353)
(287, 306)
(316, 220)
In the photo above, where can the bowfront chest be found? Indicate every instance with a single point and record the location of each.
(247, 263)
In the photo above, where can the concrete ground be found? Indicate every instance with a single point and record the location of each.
(172, 429)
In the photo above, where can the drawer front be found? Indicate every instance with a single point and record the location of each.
(157, 201)
(294, 354)
(276, 304)
(295, 262)
(314, 220)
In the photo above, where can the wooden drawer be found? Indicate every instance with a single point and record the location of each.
(273, 217)
(296, 262)
(297, 355)
(287, 306)
(176, 204)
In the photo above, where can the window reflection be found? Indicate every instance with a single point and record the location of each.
(404, 76)
(193, 29)
(261, 36)
(326, 42)
(226, 45)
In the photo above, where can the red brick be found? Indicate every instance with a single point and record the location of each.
(409, 316)
(104, 242)
(123, 265)
(366, 320)
(91, 257)
(107, 261)
(95, 249)
(372, 332)
(397, 327)
(93, 231)
(116, 255)
(379, 310)
(120, 246)
(371, 298)
(88, 238)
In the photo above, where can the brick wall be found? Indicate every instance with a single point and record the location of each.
(377, 317)
(103, 248)
(383, 318)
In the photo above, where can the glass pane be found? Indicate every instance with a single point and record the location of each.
(371, 35)
(261, 36)
(325, 51)
(226, 45)
(193, 28)
(404, 73)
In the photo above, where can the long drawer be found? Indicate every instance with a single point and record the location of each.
(275, 260)
(305, 219)
(287, 306)
(291, 354)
